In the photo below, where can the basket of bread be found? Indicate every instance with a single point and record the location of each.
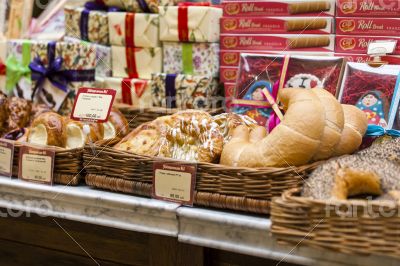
(239, 165)
(25, 123)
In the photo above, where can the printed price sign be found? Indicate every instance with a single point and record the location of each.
(174, 182)
(93, 105)
(6, 157)
(36, 164)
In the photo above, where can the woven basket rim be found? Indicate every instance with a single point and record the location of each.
(19, 144)
(161, 109)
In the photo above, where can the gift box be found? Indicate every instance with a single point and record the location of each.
(190, 23)
(279, 8)
(370, 8)
(191, 58)
(3, 54)
(371, 89)
(228, 74)
(136, 62)
(135, 30)
(103, 57)
(229, 89)
(139, 6)
(278, 25)
(86, 24)
(287, 42)
(359, 44)
(368, 26)
(49, 72)
(135, 92)
(363, 58)
(18, 15)
(184, 91)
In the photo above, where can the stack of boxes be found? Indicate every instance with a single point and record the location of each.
(360, 22)
(273, 26)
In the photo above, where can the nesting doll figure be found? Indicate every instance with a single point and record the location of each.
(373, 103)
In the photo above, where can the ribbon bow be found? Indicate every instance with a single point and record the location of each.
(2, 68)
(100, 6)
(15, 71)
(377, 131)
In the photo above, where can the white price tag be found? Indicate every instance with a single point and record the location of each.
(6, 157)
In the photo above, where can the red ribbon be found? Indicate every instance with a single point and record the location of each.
(126, 86)
(183, 28)
(2, 68)
(131, 62)
(130, 29)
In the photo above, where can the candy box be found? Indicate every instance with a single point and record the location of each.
(87, 25)
(277, 25)
(359, 44)
(278, 8)
(135, 92)
(290, 71)
(363, 58)
(368, 26)
(229, 89)
(134, 62)
(139, 6)
(228, 74)
(191, 58)
(133, 29)
(184, 91)
(367, 8)
(190, 23)
(371, 89)
(286, 42)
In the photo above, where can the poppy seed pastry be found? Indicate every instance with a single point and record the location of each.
(384, 149)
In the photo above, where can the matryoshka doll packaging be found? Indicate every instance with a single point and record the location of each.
(371, 89)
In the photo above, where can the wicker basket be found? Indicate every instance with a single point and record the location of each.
(348, 226)
(138, 116)
(68, 165)
(218, 186)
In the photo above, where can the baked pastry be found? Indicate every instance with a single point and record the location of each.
(355, 126)
(20, 112)
(388, 149)
(48, 129)
(116, 126)
(4, 113)
(334, 123)
(294, 141)
(38, 109)
(193, 136)
(19, 135)
(352, 175)
(229, 121)
(76, 137)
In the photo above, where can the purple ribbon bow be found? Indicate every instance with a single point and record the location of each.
(54, 73)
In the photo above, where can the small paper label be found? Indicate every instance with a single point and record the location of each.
(36, 164)
(6, 158)
(174, 182)
(93, 105)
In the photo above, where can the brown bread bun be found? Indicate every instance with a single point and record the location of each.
(117, 125)
(48, 129)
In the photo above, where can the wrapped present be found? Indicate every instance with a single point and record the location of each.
(184, 91)
(103, 57)
(87, 23)
(3, 54)
(190, 23)
(136, 62)
(139, 6)
(191, 58)
(135, 92)
(49, 72)
(135, 30)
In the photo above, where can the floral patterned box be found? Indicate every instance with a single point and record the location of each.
(131, 29)
(49, 72)
(184, 91)
(139, 6)
(191, 58)
(135, 92)
(136, 62)
(190, 23)
(87, 25)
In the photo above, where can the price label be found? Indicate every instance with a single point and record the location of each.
(93, 105)
(6, 157)
(174, 182)
(36, 164)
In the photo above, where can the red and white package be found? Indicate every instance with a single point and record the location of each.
(359, 44)
(367, 26)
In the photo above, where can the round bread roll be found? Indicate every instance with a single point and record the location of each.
(334, 123)
(76, 137)
(295, 140)
(355, 126)
(116, 126)
(48, 129)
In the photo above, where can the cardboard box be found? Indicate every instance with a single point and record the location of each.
(367, 26)
(228, 74)
(364, 58)
(278, 8)
(359, 44)
(368, 8)
(279, 25)
(280, 42)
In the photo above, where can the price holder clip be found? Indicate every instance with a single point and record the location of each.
(92, 106)
(174, 182)
(379, 48)
(6, 157)
(36, 164)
